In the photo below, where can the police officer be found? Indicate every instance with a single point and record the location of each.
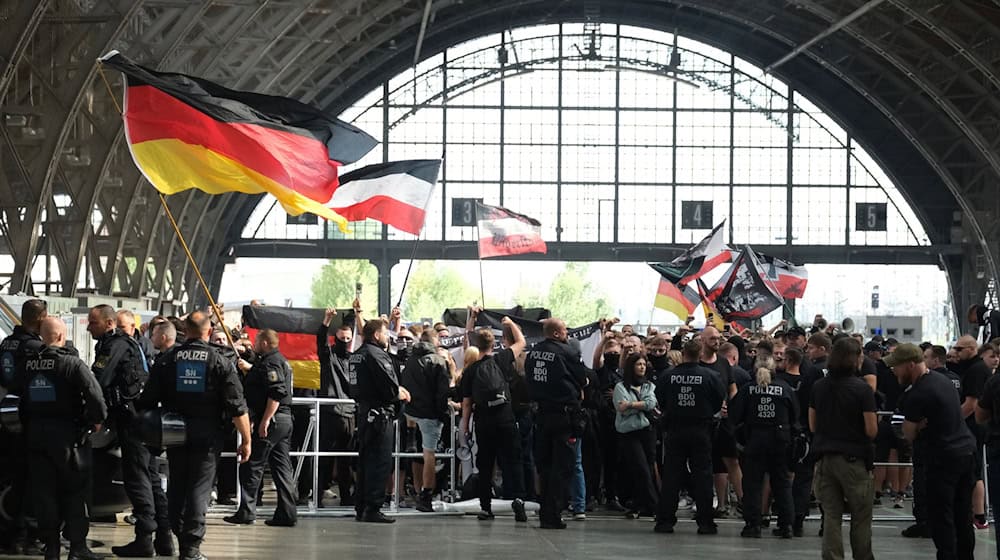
(556, 379)
(195, 381)
(268, 387)
(379, 396)
(121, 369)
(932, 414)
(61, 403)
(13, 350)
(690, 396)
(767, 410)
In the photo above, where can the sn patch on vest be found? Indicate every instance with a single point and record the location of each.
(41, 389)
(191, 376)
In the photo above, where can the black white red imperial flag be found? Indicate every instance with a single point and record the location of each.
(502, 232)
(395, 193)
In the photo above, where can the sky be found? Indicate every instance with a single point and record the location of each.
(836, 291)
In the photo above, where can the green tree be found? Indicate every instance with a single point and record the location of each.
(334, 285)
(574, 299)
(433, 288)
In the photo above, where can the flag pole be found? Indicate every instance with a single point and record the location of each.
(197, 271)
(771, 285)
(413, 254)
(482, 289)
(177, 230)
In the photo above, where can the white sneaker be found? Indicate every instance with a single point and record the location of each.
(581, 516)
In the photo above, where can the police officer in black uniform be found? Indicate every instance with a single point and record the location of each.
(690, 396)
(195, 381)
(121, 369)
(268, 387)
(23, 341)
(379, 398)
(767, 410)
(556, 379)
(932, 414)
(61, 403)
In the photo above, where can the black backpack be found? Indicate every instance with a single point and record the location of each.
(490, 387)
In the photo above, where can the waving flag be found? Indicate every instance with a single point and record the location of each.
(186, 133)
(394, 193)
(502, 232)
(705, 255)
(788, 279)
(296, 328)
(712, 315)
(742, 292)
(679, 299)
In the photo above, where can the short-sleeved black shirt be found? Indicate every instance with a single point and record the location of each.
(724, 370)
(502, 414)
(990, 400)
(840, 404)
(932, 398)
(887, 384)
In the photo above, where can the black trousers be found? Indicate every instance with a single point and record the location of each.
(18, 500)
(767, 453)
(638, 453)
(802, 489)
(609, 455)
(336, 434)
(59, 483)
(498, 443)
(136, 476)
(949, 506)
(271, 451)
(592, 459)
(375, 440)
(919, 490)
(684, 444)
(526, 432)
(159, 494)
(555, 455)
(189, 488)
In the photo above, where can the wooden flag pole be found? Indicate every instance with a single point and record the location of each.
(177, 230)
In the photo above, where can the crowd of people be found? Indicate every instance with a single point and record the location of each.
(727, 423)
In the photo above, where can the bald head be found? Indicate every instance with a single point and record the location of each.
(966, 347)
(710, 340)
(53, 332)
(554, 329)
(126, 321)
(197, 325)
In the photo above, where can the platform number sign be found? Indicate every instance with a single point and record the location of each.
(463, 211)
(696, 214)
(870, 216)
(302, 220)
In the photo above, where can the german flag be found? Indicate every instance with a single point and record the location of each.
(186, 132)
(678, 299)
(296, 328)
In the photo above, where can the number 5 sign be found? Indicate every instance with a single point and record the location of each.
(870, 216)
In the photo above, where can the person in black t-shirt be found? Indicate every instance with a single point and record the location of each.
(609, 375)
(988, 416)
(932, 415)
(974, 373)
(497, 435)
(725, 457)
(842, 418)
(803, 470)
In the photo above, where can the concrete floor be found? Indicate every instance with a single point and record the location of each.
(420, 537)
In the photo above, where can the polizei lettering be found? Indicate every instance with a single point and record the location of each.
(192, 355)
(768, 390)
(43, 364)
(685, 379)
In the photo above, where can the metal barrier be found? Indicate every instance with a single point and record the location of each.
(312, 439)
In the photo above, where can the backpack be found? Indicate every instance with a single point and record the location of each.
(132, 380)
(490, 387)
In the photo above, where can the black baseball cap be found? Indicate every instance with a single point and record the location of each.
(873, 347)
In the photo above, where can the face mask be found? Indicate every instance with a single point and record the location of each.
(659, 362)
(612, 359)
(341, 348)
(403, 354)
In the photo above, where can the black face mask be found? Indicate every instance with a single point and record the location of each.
(659, 362)
(612, 359)
(403, 353)
(341, 348)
